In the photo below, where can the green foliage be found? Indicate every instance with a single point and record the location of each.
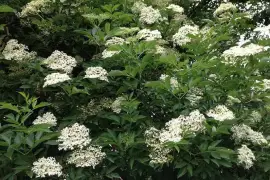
(142, 89)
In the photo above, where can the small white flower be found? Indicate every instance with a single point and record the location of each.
(115, 41)
(225, 7)
(181, 37)
(96, 73)
(160, 50)
(149, 15)
(245, 157)
(34, 7)
(263, 32)
(75, 136)
(18, 52)
(137, 7)
(220, 113)
(47, 167)
(108, 54)
(233, 53)
(116, 105)
(55, 78)
(176, 8)
(47, 118)
(173, 81)
(255, 117)
(245, 133)
(266, 84)
(194, 96)
(90, 157)
(148, 35)
(59, 60)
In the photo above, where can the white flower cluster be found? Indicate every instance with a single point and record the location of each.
(137, 7)
(96, 73)
(176, 127)
(47, 167)
(225, 7)
(116, 105)
(55, 78)
(232, 100)
(89, 157)
(263, 32)
(176, 8)
(115, 41)
(245, 157)
(194, 96)
(75, 136)
(243, 132)
(255, 117)
(47, 118)
(149, 35)
(18, 52)
(231, 54)
(173, 81)
(108, 54)
(159, 153)
(266, 84)
(59, 60)
(253, 8)
(220, 113)
(160, 50)
(181, 37)
(34, 7)
(149, 15)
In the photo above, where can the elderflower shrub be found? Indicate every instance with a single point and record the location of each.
(163, 87)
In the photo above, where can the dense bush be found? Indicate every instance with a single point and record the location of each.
(122, 89)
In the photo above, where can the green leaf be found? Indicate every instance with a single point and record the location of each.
(154, 84)
(9, 106)
(190, 170)
(131, 163)
(47, 137)
(216, 155)
(214, 144)
(30, 140)
(182, 173)
(42, 104)
(111, 169)
(26, 116)
(117, 73)
(2, 143)
(107, 27)
(225, 163)
(6, 8)
(9, 152)
(113, 175)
